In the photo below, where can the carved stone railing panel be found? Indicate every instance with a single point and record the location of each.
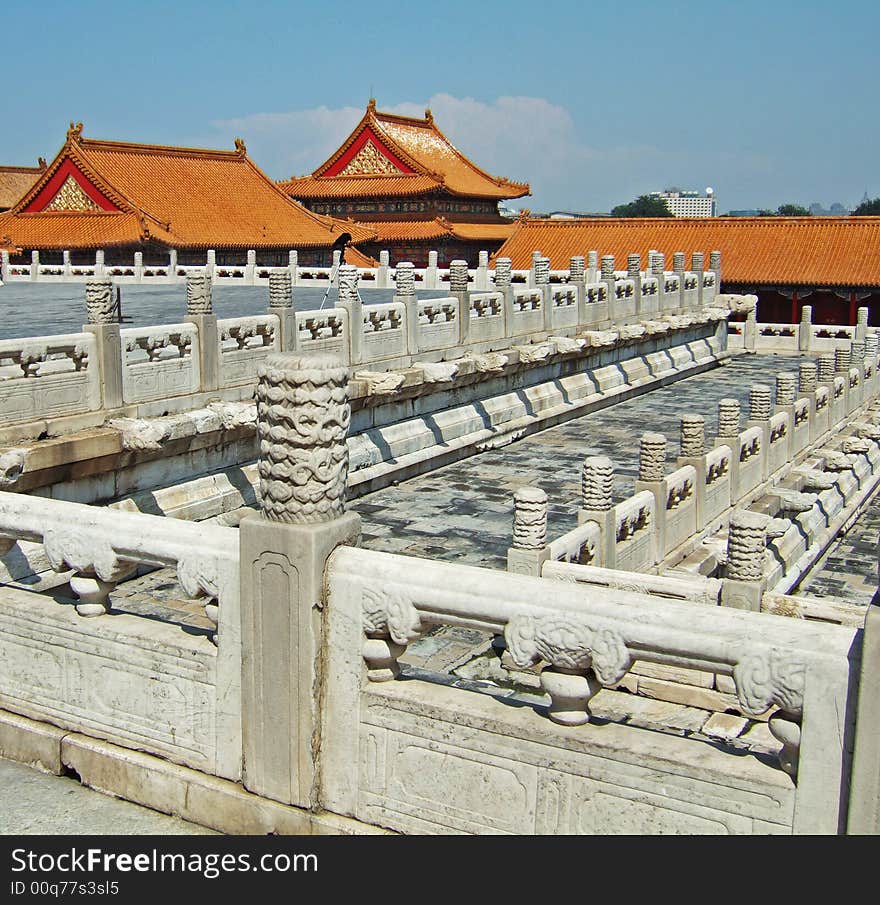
(158, 362)
(384, 331)
(588, 640)
(48, 377)
(579, 545)
(634, 524)
(323, 331)
(245, 342)
(438, 323)
(717, 497)
(527, 311)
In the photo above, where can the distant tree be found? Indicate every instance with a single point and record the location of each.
(643, 206)
(792, 210)
(869, 208)
(766, 212)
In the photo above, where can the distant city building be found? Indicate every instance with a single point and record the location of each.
(746, 212)
(685, 203)
(836, 210)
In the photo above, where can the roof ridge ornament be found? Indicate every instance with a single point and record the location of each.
(41, 163)
(371, 105)
(240, 146)
(429, 117)
(74, 133)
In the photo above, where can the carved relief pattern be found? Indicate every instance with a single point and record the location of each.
(764, 679)
(693, 435)
(842, 360)
(633, 265)
(303, 417)
(198, 294)
(652, 457)
(71, 549)
(607, 267)
(807, 375)
(405, 279)
(390, 612)
(369, 161)
(280, 291)
(348, 277)
(576, 269)
(566, 643)
(71, 197)
(759, 402)
(597, 481)
(786, 389)
(826, 367)
(502, 272)
(542, 271)
(99, 301)
(529, 518)
(697, 261)
(458, 276)
(746, 543)
(728, 418)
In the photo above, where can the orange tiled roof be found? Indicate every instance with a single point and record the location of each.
(15, 181)
(180, 197)
(402, 156)
(439, 228)
(806, 251)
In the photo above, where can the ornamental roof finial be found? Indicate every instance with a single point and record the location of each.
(429, 117)
(371, 105)
(74, 133)
(240, 146)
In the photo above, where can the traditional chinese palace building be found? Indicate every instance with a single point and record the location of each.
(831, 264)
(123, 198)
(15, 181)
(403, 177)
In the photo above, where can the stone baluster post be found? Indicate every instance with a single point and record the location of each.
(481, 277)
(139, 266)
(698, 267)
(293, 267)
(826, 368)
(281, 305)
(807, 383)
(862, 316)
(200, 311)
(541, 270)
(728, 435)
(856, 392)
(102, 322)
(871, 345)
(303, 416)
(350, 301)
(65, 263)
(606, 276)
(172, 265)
(250, 267)
(432, 280)
(678, 268)
(405, 292)
(658, 271)
(529, 551)
(536, 256)
(786, 396)
(383, 274)
(592, 266)
(576, 279)
(458, 287)
(744, 583)
(842, 360)
(99, 263)
(35, 265)
(805, 329)
(652, 476)
(715, 266)
(334, 266)
(693, 452)
(210, 262)
(504, 285)
(760, 407)
(4, 265)
(634, 273)
(597, 505)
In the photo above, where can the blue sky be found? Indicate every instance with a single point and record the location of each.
(593, 103)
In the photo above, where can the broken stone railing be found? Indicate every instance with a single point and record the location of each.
(107, 367)
(670, 513)
(804, 336)
(137, 682)
(395, 733)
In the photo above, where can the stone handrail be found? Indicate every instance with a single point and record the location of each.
(103, 546)
(578, 545)
(591, 640)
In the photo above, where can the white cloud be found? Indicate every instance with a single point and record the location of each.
(527, 139)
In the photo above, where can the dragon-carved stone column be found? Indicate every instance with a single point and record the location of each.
(303, 416)
(101, 314)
